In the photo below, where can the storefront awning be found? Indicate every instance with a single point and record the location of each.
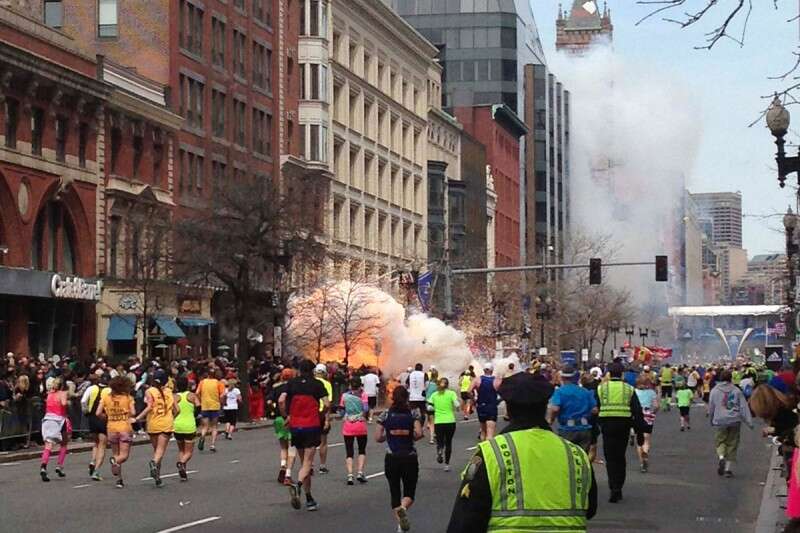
(196, 322)
(121, 328)
(168, 326)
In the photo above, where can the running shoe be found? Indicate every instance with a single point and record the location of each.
(43, 473)
(728, 473)
(91, 469)
(361, 478)
(212, 448)
(60, 471)
(402, 519)
(182, 471)
(350, 480)
(201, 443)
(446, 468)
(683, 429)
(281, 475)
(312, 505)
(288, 481)
(120, 484)
(96, 476)
(439, 456)
(115, 468)
(153, 470)
(431, 441)
(721, 467)
(323, 470)
(294, 495)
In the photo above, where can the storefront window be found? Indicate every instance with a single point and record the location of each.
(53, 240)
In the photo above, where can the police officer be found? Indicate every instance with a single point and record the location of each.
(527, 478)
(619, 412)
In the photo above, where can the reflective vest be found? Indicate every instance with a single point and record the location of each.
(538, 481)
(615, 399)
(666, 376)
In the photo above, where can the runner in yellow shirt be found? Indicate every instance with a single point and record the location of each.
(465, 383)
(118, 409)
(320, 372)
(160, 412)
(210, 391)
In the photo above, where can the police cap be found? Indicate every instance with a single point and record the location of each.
(525, 390)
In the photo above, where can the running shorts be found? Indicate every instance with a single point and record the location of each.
(466, 396)
(97, 425)
(211, 415)
(647, 428)
(156, 433)
(323, 431)
(666, 391)
(372, 401)
(684, 411)
(487, 415)
(231, 416)
(706, 396)
(120, 437)
(185, 437)
(306, 438)
(281, 431)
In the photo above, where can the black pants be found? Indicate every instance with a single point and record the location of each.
(348, 445)
(615, 443)
(444, 438)
(402, 472)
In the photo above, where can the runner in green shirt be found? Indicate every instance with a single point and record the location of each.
(684, 404)
(445, 406)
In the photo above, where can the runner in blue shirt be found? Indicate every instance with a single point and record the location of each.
(573, 406)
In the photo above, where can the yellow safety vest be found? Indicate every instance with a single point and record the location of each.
(538, 481)
(615, 399)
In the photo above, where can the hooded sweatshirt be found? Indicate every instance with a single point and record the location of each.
(727, 406)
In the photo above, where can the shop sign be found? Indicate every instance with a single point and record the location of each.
(191, 306)
(75, 288)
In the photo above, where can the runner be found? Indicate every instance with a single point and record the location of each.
(56, 427)
(430, 388)
(97, 427)
(666, 387)
(119, 409)
(487, 402)
(445, 407)
(185, 424)
(160, 412)
(354, 407)
(299, 403)
(693, 380)
(685, 396)
(465, 383)
(371, 383)
(321, 372)
(574, 407)
(233, 399)
(708, 377)
(210, 390)
(399, 427)
(648, 399)
(287, 452)
(417, 381)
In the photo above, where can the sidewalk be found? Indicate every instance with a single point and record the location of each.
(771, 517)
(84, 446)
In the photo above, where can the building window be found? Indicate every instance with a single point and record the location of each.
(262, 11)
(239, 114)
(192, 101)
(158, 158)
(313, 18)
(218, 114)
(316, 88)
(83, 142)
(318, 143)
(191, 177)
(238, 4)
(116, 143)
(37, 130)
(238, 53)
(262, 132)
(190, 32)
(53, 240)
(12, 122)
(138, 151)
(262, 65)
(62, 129)
(218, 42)
(107, 18)
(113, 246)
(53, 13)
(218, 172)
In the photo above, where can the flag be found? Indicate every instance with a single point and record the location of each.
(424, 282)
(642, 353)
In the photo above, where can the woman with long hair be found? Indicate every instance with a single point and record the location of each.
(648, 399)
(399, 427)
(430, 388)
(185, 425)
(160, 410)
(119, 410)
(777, 410)
(445, 407)
(56, 427)
(355, 406)
(22, 403)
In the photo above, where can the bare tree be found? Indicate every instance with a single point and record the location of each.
(251, 237)
(311, 320)
(354, 317)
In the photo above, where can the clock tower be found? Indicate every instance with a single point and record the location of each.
(583, 27)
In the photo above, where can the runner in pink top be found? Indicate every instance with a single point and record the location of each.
(355, 406)
(55, 427)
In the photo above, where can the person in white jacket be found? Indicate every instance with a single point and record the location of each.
(727, 408)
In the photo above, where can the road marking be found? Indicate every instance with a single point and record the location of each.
(234, 461)
(190, 524)
(472, 448)
(375, 475)
(169, 475)
(80, 486)
(11, 464)
(335, 444)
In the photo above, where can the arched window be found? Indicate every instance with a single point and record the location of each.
(54, 240)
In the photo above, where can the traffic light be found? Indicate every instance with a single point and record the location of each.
(662, 272)
(595, 271)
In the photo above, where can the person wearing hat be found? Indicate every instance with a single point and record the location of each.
(321, 373)
(619, 412)
(486, 403)
(574, 407)
(160, 412)
(527, 478)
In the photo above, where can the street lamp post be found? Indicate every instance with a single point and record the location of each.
(614, 330)
(542, 313)
(791, 226)
(778, 124)
(629, 330)
(643, 332)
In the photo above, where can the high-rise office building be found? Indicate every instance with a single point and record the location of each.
(725, 211)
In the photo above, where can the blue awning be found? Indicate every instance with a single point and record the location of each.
(168, 326)
(196, 322)
(121, 328)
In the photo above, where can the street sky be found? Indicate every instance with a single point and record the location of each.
(728, 82)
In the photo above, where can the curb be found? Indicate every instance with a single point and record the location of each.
(85, 447)
(771, 517)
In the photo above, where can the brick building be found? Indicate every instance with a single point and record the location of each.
(583, 27)
(499, 129)
(51, 113)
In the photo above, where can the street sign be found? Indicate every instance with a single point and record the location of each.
(569, 357)
(542, 352)
(585, 354)
(774, 357)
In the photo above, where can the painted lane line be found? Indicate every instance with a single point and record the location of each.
(375, 475)
(169, 475)
(11, 464)
(234, 461)
(190, 524)
(336, 444)
(472, 448)
(80, 486)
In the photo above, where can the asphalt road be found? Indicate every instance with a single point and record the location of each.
(235, 490)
